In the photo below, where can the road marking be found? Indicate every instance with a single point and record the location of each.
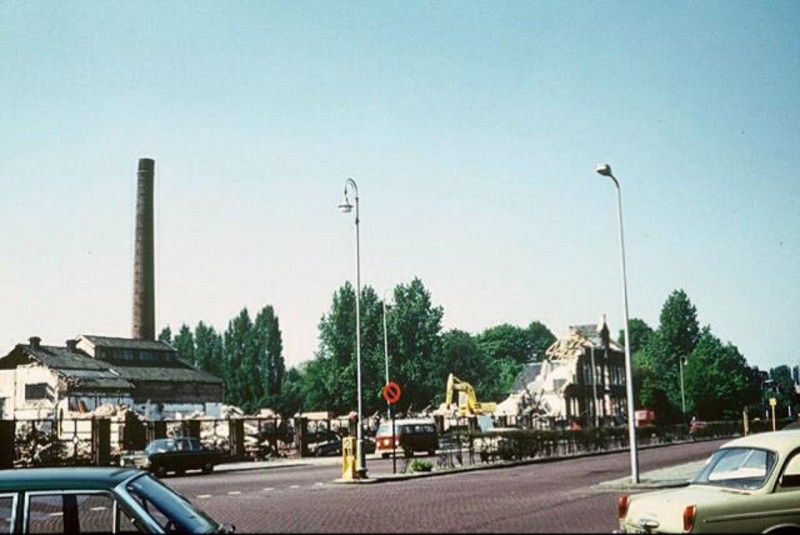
(268, 488)
(294, 486)
(203, 496)
(318, 484)
(232, 492)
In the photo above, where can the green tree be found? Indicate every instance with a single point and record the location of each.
(209, 351)
(783, 390)
(165, 335)
(716, 379)
(506, 342)
(415, 330)
(239, 361)
(269, 364)
(335, 372)
(677, 336)
(184, 343)
(539, 338)
(290, 399)
(460, 356)
(641, 334)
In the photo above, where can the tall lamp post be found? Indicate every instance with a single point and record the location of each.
(346, 208)
(605, 170)
(681, 363)
(385, 338)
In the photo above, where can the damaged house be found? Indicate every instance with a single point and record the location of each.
(39, 381)
(581, 380)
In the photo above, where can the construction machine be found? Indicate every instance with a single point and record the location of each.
(467, 402)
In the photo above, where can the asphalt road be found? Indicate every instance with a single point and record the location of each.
(551, 497)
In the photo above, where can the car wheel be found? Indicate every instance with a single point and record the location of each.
(208, 468)
(180, 472)
(384, 455)
(159, 470)
(431, 453)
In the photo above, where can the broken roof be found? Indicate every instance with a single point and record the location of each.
(79, 368)
(74, 366)
(581, 337)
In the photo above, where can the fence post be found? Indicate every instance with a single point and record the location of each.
(7, 443)
(300, 439)
(194, 428)
(101, 441)
(236, 432)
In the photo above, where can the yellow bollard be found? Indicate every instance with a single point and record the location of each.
(349, 471)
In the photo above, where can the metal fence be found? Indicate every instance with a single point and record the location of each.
(100, 441)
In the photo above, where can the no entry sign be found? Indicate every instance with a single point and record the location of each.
(391, 393)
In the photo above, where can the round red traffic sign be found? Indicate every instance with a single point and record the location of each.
(391, 393)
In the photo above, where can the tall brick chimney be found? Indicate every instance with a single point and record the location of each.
(144, 298)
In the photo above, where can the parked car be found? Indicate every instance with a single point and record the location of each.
(324, 442)
(410, 436)
(95, 500)
(750, 485)
(177, 455)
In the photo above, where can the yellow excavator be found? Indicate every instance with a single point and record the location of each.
(467, 401)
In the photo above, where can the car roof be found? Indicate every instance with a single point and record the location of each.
(782, 442)
(64, 478)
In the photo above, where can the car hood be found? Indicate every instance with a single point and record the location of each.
(665, 507)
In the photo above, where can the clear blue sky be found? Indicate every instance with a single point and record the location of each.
(472, 129)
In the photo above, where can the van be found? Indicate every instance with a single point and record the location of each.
(411, 435)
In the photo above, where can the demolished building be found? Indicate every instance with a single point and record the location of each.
(580, 381)
(41, 381)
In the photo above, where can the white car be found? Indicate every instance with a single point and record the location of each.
(750, 485)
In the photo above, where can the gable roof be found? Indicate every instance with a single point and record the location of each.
(166, 374)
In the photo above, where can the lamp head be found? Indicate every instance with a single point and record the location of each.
(346, 207)
(604, 169)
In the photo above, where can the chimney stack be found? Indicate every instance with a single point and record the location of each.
(35, 341)
(144, 301)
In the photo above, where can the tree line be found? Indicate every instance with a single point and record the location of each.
(248, 355)
(717, 381)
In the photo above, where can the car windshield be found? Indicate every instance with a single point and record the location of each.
(172, 511)
(743, 468)
(385, 429)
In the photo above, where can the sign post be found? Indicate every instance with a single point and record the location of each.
(392, 393)
(772, 403)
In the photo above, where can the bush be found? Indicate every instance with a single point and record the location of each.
(421, 465)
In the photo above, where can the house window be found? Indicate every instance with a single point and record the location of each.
(34, 392)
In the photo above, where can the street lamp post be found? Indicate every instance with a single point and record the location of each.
(389, 411)
(683, 395)
(385, 338)
(346, 208)
(605, 170)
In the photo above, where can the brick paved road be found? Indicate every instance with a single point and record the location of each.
(554, 497)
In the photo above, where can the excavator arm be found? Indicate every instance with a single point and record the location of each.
(472, 406)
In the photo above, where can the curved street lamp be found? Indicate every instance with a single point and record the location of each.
(605, 170)
(346, 208)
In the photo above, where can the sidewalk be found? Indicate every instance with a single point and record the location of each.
(674, 476)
